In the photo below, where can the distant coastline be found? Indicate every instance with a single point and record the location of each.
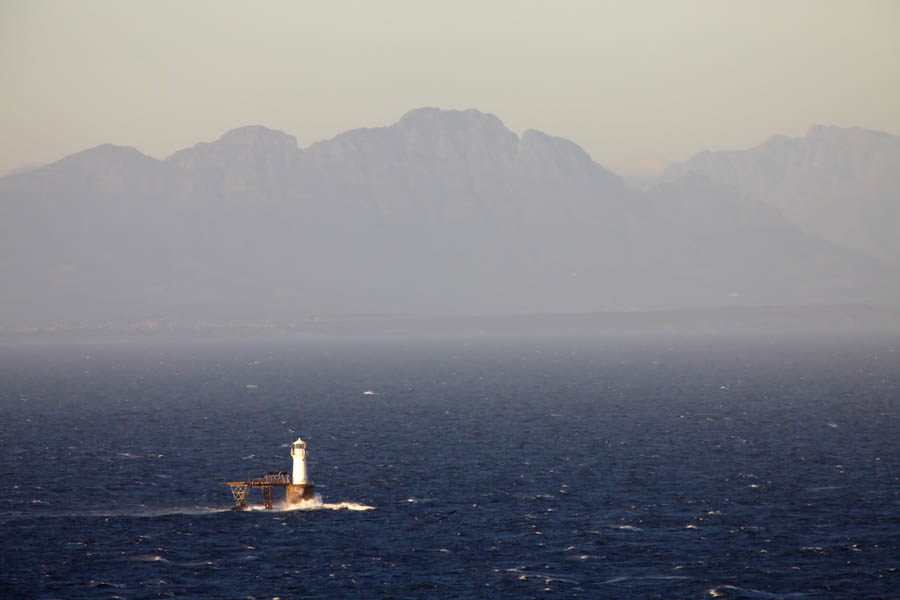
(842, 319)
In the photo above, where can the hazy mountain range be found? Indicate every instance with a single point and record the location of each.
(443, 213)
(840, 184)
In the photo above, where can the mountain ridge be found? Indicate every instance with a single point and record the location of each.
(440, 213)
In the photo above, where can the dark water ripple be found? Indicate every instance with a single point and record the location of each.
(618, 468)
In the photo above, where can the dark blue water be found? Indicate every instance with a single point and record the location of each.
(612, 468)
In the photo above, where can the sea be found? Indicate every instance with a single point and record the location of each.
(622, 466)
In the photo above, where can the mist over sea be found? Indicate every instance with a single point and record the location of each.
(618, 466)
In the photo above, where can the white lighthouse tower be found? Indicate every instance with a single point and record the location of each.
(298, 452)
(299, 488)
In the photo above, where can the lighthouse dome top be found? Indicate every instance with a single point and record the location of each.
(300, 443)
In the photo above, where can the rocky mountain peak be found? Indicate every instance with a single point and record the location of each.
(250, 143)
(113, 154)
(258, 136)
(436, 118)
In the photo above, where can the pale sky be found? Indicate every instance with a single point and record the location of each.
(634, 83)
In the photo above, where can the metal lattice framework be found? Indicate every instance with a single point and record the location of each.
(239, 489)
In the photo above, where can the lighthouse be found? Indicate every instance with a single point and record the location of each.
(296, 488)
(298, 452)
(299, 488)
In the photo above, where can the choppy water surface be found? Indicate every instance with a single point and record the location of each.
(612, 468)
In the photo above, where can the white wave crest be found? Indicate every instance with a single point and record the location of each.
(317, 504)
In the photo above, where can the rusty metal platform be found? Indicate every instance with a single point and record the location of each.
(240, 489)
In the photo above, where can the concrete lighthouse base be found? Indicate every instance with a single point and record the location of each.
(301, 491)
